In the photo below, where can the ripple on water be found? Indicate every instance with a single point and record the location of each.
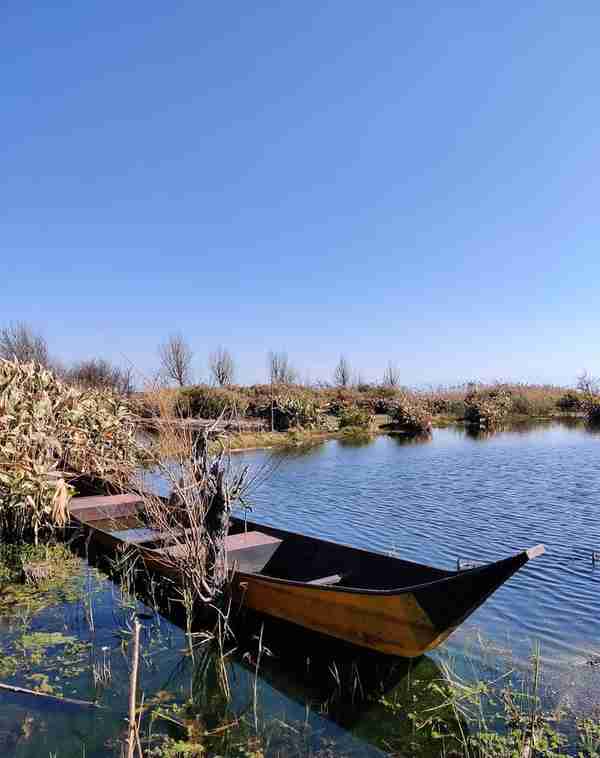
(456, 496)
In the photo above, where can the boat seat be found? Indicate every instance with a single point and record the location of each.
(250, 552)
(333, 579)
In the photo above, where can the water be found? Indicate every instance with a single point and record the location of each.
(454, 496)
(459, 496)
(53, 639)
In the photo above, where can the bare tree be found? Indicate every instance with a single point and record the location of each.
(221, 366)
(391, 376)
(99, 373)
(281, 370)
(176, 359)
(19, 341)
(588, 384)
(342, 373)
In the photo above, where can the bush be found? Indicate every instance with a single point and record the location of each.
(592, 410)
(290, 410)
(356, 417)
(487, 408)
(411, 415)
(570, 402)
(438, 405)
(50, 434)
(210, 402)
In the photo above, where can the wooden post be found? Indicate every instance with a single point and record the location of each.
(133, 682)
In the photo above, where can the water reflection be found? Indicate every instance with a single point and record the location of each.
(356, 440)
(402, 439)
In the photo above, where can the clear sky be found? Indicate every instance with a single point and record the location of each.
(409, 181)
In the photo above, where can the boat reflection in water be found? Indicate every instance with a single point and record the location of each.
(299, 692)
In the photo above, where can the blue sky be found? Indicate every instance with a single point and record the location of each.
(417, 182)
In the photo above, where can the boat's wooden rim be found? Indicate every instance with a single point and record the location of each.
(157, 555)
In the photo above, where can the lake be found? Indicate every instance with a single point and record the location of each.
(454, 496)
(463, 496)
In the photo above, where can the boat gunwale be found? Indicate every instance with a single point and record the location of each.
(241, 576)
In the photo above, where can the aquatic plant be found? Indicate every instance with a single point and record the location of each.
(51, 435)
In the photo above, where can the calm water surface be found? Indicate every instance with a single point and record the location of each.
(468, 497)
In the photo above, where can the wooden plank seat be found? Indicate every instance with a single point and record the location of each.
(137, 536)
(103, 507)
(248, 552)
(333, 579)
(142, 535)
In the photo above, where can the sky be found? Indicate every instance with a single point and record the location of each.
(414, 182)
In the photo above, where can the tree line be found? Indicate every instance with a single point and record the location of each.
(175, 357)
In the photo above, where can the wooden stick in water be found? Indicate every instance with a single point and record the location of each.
(132, 737)
(56, 698)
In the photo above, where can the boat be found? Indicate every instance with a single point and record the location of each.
(365, 598)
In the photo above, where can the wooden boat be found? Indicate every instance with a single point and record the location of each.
(368, 599)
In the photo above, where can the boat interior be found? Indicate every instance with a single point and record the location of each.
(259, 549)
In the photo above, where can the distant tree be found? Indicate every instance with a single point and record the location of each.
(588, 384)
(342, 373)
(99, 373)
(281, 370)
(222, 367)
(19, 342)
(176, 359)
(391, 376)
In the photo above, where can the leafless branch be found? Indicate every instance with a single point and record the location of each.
(391, 376)
(19, 341)
(342, 373)
(280, 369)
(222, 367)
(176, 359)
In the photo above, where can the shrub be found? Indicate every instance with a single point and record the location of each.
(570, 402)
(50, 435)
(487, 408)
(210, 402)
(592, 411)
(439, 405)
(356, 417)
(411, 415)
(290, 410)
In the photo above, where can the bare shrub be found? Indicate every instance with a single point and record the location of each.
(222, 367)
(99, 373)
(176, 360)
(203, 486)
(19, 342)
